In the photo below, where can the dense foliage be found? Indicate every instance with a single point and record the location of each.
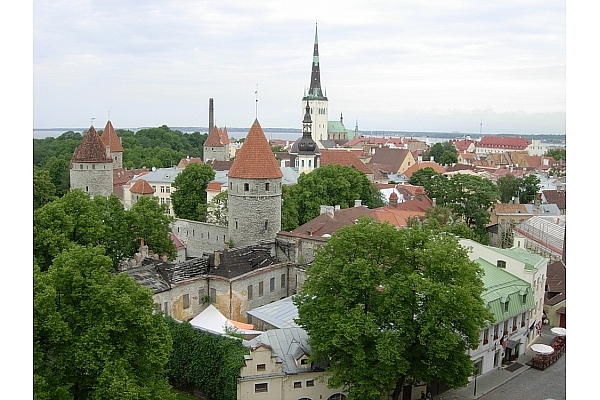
(525, 189)
(75, 218)
(159, 147)
(385, 307)
(469, 197)
(189, 197)
(217, 209)
(329, 185)
(442, 153)
(205, 362)
(95, 335)
(44, 190)
(559, 154)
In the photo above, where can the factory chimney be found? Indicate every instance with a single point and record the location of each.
(211, 115)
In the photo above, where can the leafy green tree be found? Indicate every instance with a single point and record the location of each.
(333, 185)
(558, 154)
(75, 218)
(217, 210)
(530, 189)
(95, 335)
(58, 168)
(43, 188)
(189, 198)
(196, 352)
(384, 307)
(148, 220)
(289, 209)
(438, 149)
(448, 157)
(509, 187)
(422, 176)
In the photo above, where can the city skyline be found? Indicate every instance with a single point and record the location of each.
(392, 67)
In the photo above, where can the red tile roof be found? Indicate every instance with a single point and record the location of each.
(214, 186)
(184, 162)
(502, 142)
(255, 159)
(141, 187)
(109, 138)
(395, 216)
(343, 157)
(461, 144)
(217, 138)
(91, 149)
(425, 164)
(389, 159)
(122, 176)
(558, 197)
(178, 244)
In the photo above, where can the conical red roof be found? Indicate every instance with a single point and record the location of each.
(109, 138)
(217, 137)
(91, 149)
(255, 159)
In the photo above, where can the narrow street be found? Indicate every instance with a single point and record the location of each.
(533, 384)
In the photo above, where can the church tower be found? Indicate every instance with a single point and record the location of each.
(91, 168)
(308, 154)
(316, 99)
(254, 192)
(109, 138)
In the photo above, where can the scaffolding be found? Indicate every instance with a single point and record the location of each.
(543, 235)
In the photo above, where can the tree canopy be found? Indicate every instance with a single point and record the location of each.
(189, 198)
(442, 153)
(332, 185)
(196, 352)
(95, 335)
(43, 189)
(75, 218)
(386, 307)
(558, 153)
(512, 187)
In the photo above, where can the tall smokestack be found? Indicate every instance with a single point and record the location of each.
(211, 115)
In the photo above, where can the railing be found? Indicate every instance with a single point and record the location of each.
(542, 361)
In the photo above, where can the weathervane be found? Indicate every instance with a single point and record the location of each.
(92, 121)
(256, 106)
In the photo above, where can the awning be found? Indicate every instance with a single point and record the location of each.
(512, 344)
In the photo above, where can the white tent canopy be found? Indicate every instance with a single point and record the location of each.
(542, 349)
(211, 320)
(559, 331)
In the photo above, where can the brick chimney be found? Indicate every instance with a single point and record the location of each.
(393, 199)
(211, 115)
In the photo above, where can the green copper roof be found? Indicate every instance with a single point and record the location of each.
(501, 286)
(531, 260)
(336, 126)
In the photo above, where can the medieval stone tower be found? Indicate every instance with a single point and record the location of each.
(216, 146)
(91, 168)
(109, 138)
(317, 101)
(254, 192)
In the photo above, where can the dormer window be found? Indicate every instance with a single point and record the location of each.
(501, 264)
(506, 306)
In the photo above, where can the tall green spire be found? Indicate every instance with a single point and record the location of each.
(315, 77)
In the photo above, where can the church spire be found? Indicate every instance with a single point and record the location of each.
(315, 76)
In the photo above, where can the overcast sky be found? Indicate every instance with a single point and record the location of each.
(392, 65)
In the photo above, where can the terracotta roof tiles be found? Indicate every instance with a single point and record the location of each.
(425, 164)
(109, 138)
(503, 142)
(217, 137)
(91, 149)
(141, 187)
(255, 159)
(343, 157)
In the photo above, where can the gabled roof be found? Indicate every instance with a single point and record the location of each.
(326, 224)
(91, 149)
(217, 137)
(178, 243)
(343, 157)
(184, 162)
(558, 197)
(389, 157)
(218, 165)
(141, 187)
(336, 127)
(121, 176)
(462, 144)
(109, 138)
(396, 216)
(503, 142)
(255, 159)
(287, 344)
(425, 164)
(556, 282)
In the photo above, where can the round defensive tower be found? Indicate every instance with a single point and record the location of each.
(91, 168)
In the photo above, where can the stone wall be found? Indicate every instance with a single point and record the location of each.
(254, 210)
(200, 237)
(96, 179)
(297, 248)
(216, 153)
